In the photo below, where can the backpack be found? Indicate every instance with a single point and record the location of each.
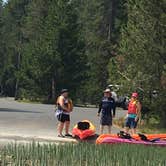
(124, 135)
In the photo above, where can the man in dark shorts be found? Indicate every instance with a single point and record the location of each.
(63, 113)
(106, 107)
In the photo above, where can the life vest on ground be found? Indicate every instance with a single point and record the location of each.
(132, 108)
(88, 131)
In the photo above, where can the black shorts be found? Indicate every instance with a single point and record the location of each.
(63, 117)
(106, 120)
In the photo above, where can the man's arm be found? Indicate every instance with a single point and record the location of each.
(138, 110)
(100, 106)
(114, 108)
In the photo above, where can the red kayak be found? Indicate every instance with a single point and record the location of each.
(114, 138)
(135, 136)
(111, 140)
(82, 134)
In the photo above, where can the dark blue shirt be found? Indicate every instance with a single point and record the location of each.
(106, 106)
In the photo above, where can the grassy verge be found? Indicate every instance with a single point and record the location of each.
(30, 101)
(82, 154)
(144, 128)
(151, 129)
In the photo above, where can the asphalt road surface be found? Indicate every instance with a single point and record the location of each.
(38, 120)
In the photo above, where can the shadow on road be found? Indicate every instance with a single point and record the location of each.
(14, 110)
(91, 139)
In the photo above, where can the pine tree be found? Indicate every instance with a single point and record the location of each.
(13, 12)
(143, 47)
(54, 51)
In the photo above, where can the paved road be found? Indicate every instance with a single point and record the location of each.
(37, 120)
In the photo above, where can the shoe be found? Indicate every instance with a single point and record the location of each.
(68, 135)
(61, 136)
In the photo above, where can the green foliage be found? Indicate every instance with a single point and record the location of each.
(142, 46)
(43, 45)
(82, 154)
(11, 44)
(83, 46)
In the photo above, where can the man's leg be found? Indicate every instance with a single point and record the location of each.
(67, 125)
(109, 129)
(126, 129)
(134, 126)
(60, 128)
(101, 129)
(133, 131)
(127, 125)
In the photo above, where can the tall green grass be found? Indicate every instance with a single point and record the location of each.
(82, 154)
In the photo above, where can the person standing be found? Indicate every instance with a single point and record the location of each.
(106, 107)
(65, 106)
(133, 114)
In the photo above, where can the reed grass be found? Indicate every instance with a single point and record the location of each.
(82, 154)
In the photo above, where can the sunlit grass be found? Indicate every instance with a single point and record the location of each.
(82, 154)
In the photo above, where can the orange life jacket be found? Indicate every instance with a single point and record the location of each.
(132, 108)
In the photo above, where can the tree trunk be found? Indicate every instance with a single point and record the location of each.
(1, 89)
(111, 18)
(16, 96)
(53, 88)
(17, 80)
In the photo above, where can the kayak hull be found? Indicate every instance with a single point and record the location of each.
(113, 138)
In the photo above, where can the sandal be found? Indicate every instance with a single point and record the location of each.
(61, 136)
(68, 135)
